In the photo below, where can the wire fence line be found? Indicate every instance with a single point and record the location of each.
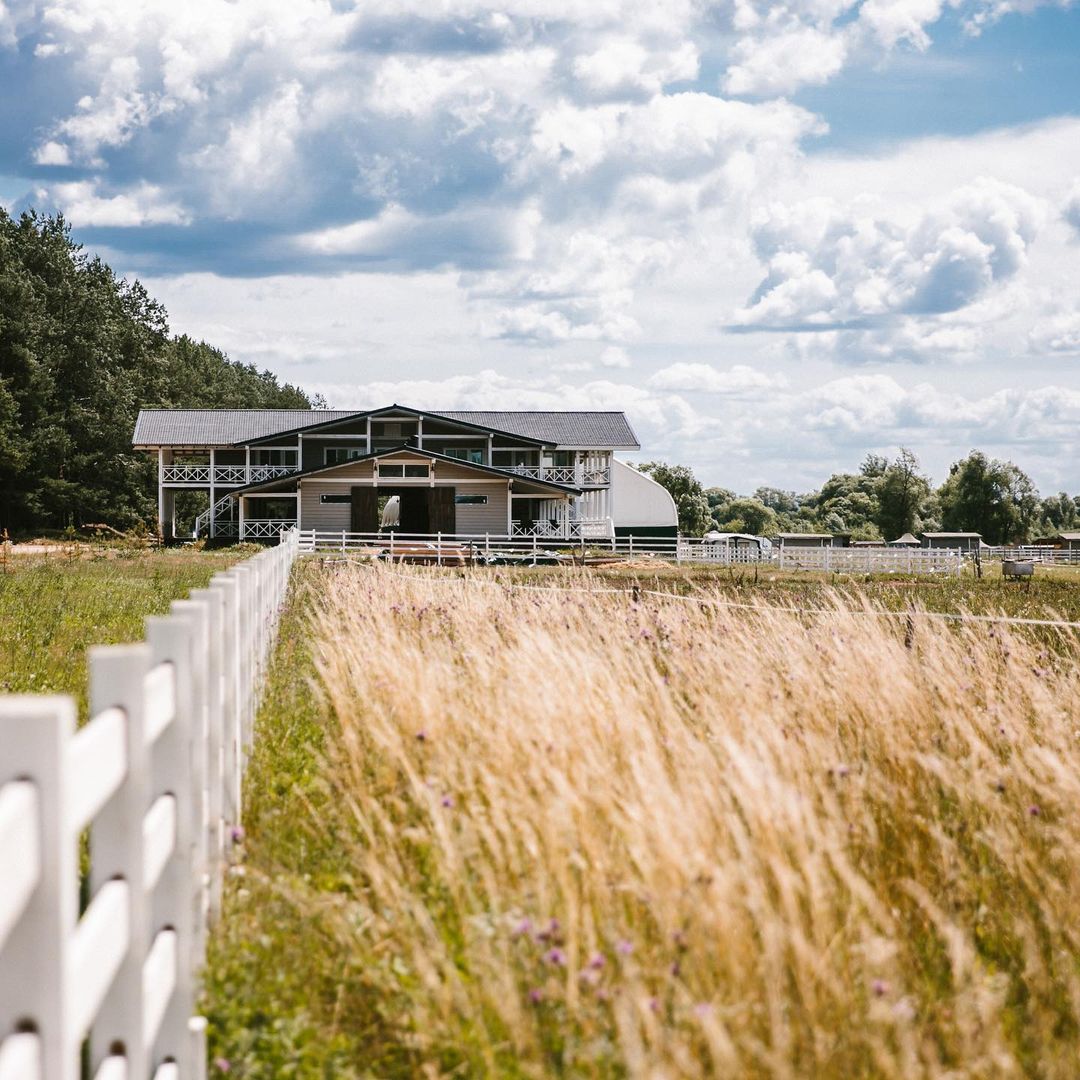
(155, 777)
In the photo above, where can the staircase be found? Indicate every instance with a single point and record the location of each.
(225, 523)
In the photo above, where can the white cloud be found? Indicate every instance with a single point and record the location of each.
(614, 357)
(704, 378)
(782, 63)
(828, 266)
(1071, 210)
(52, 153)
(144, 204)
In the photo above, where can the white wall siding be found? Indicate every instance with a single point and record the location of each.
(490, 518)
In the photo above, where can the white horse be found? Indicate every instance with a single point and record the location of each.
(391, 515)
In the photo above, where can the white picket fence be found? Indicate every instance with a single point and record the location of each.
(155, 776)
(859, 560)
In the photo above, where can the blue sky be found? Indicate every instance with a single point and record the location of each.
(779, 235)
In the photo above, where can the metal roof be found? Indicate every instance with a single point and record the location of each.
(223, 427)
(227, 427)
(609, 430)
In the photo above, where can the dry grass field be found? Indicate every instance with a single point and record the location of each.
(522, 832)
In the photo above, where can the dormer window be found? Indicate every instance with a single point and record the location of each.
(407, 472)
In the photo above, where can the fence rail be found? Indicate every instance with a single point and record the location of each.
(155, 776)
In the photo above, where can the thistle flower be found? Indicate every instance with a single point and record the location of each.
(556, 957)
(625, 947)
(535, 996)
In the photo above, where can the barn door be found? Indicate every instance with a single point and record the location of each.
(365, 510)
(442, 511)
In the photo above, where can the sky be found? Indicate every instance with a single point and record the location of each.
(780, 236)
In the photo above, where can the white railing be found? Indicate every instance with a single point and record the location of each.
(690, 549)
(574, 475)
(223, 524)
(224, 474)
(871, 560)
(574, 529)
(155, 776)
(265, 528)
(1033, 553)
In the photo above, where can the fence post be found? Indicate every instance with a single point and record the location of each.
(438, 548)
(228, 586)
(213, 601)
(117, 679)
(170, 639)
(34, 732)
(196, 613)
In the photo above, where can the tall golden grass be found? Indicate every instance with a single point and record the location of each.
(590, 836)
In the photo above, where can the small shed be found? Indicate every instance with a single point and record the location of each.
(905, 541)
(814, 540)
(964, 541)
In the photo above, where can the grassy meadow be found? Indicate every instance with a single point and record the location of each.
(512, 832)
(55, 605)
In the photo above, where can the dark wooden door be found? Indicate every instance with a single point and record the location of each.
(442, 510)
(365, 509)
(414, 510)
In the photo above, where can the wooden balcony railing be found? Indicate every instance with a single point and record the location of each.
(224, 474)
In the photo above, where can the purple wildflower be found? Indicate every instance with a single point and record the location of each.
(597, 961)
(523, 927)
(421, 736)
(625, 947)
(1034, 811)
(222, 1065)
(535, 996)
(448, 800)
(654, 1004)
(880, 987)
(236, 834)
(702, 1009)
(556, 957)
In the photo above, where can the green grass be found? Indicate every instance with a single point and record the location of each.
(272, 979)
(53, 608)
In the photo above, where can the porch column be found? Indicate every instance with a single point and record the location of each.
(213, 497)
(509, 508)
(247, 464)
(161, 492)
(243, 504)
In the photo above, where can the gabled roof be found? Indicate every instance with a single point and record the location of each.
(231, 427)
(601, 429)
(413, 452)
(951, 535)
(390, 410)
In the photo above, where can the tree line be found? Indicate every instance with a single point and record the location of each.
(883, 500)
(81, 351)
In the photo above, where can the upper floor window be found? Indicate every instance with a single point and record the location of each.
(474, 454)
(505, 459)
(413, 472)
(393, 429)
(335, 455)
(559, 458)
(282, 456)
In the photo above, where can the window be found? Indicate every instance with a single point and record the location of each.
(474, 454)
(335, 498)
(505, 459)
(335, 455)
(470, 500)
(281, 456)
(558, 458)
(415, 472)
